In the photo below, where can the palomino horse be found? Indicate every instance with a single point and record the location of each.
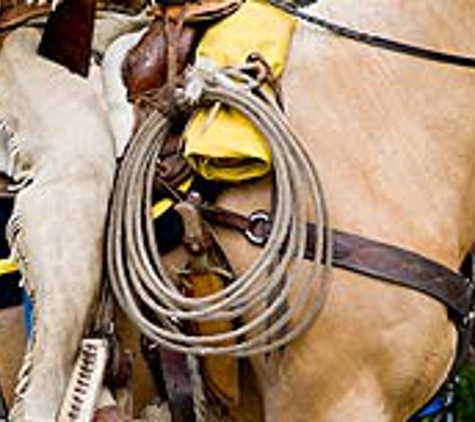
(393, 139)
(389, 172)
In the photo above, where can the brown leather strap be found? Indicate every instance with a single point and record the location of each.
(199, 12)
(14, 15)
(207, 272)
(3, 407)
(378, 260)
(371, 258)
(405, 268)
(6, 184)
(145, 66)
(178, 386)
(172, 378)
(67, 37)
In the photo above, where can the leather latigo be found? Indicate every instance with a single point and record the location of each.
(207, 272)
(220, 372)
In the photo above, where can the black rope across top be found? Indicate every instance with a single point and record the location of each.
(375, 40)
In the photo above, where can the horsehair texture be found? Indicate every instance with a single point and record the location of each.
(275, 297)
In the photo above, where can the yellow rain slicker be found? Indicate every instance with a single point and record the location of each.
(161, 206)
(7, 266)
(221, 144)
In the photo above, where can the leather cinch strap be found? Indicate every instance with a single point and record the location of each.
(371, 258)
(380, 261)
(405, 268)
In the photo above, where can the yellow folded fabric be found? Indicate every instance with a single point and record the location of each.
(7, 266)
(161, 206)
(222, 144)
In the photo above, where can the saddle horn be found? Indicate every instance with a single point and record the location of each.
(67, 38)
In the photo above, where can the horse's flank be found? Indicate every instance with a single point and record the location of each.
(390, 133)
(393, 138)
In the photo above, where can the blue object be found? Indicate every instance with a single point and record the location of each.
(441, 405)
(28, 313)
(432, 408)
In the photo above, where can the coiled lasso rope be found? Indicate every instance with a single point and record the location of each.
(279, 295)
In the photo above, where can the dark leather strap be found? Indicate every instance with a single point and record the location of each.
(172, 379)
(15, 14)
(178, 385)
(3, 407)
(10, 290)
(372, 258)
(380, 261)
(67, 37)
(405, 268)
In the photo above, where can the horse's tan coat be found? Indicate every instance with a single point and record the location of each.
(12, 340)
(393, 138)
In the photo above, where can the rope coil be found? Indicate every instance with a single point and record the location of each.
(279, 295)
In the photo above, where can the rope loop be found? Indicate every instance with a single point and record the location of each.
(279, 295)
(206, 72)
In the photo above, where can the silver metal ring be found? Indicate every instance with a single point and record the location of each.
(255, 218)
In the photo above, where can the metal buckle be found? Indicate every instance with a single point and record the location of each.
(256, 218)
(469, 319)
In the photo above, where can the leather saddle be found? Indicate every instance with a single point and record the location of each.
(16, 13)
(199, 11)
